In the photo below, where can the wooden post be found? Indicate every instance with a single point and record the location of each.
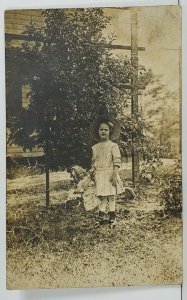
(47, 184)
(47, 177)
(134, 97)
(180, 100)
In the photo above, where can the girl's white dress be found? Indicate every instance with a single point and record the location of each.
(106, 155)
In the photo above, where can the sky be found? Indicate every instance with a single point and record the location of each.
(159, 31)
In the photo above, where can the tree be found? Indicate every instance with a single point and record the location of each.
(74, 78)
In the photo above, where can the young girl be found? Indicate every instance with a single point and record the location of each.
(106, 162)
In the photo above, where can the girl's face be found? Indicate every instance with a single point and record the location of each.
(104, 132)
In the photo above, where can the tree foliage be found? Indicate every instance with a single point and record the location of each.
(74, 77)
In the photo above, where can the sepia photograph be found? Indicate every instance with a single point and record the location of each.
(94, 174)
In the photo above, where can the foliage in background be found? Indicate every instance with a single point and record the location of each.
(161, 109)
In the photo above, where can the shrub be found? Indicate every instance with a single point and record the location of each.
(171, 191)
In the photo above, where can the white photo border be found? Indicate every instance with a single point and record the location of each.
(130, 293)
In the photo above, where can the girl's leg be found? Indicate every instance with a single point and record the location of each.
(102, 211)
(102, 203)
(112, 203)
(112, 213)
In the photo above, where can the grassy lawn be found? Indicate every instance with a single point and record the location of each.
(60, 247)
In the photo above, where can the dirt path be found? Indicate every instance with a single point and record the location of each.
(60, 247)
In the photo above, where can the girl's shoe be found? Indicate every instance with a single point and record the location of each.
(112, 219)
(101, 219)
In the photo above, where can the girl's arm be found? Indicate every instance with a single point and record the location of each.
(117, 163)
(114, 175)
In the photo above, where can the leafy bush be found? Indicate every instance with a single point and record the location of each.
(150, 164)
(22, 167)
(171, 191)
(23, 171)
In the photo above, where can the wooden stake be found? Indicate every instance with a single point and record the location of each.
(180, 100)
(134, 97)
(47, 182)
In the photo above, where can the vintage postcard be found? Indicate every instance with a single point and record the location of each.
(94, 187)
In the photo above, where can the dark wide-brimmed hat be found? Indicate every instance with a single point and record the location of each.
(94, 128)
